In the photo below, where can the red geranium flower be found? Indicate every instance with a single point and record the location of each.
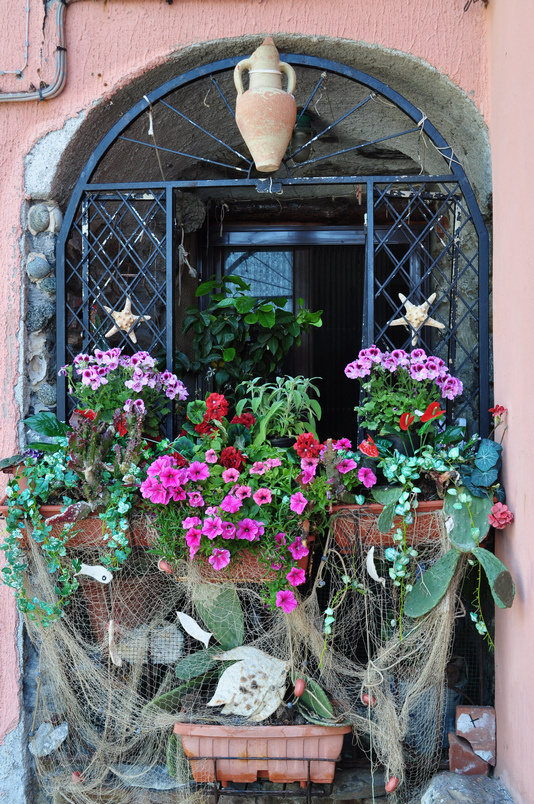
(246, 418)
(498, 411)
(406, 420)
(307, 446)
(500, 516)
(369, 448)
(205, 427)
(87, 414)
(231, 458)
(432, 412)
(216, 407)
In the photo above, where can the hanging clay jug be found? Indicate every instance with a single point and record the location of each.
(265, 114)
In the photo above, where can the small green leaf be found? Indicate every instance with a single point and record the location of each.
(432, 585)
(197, 664)
(488, 455)
(315, 698)
(385, 520)
(47, 424)
(387, 494)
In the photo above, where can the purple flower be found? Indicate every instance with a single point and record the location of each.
(367, 477)
(296, 576)
(198, 471)
(286, 601)
(418, 356)
(219, 558)
(402, 357)
(298, 502)
(418, 371)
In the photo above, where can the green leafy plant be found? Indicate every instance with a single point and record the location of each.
(284, 407)
(236, 335)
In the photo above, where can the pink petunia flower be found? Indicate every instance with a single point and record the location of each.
(286, 601)
(367, 477)
(297, 549)
(177, 493)
(242, 492)
(271, 463)
(346, 465)
(159, 465)
(228, 530)
(191, 522)
(231, 504)
(308, 475)
(193, 537)
(298, 502)
(152, 490)
(212, 526)
(296, 576)
(280, 538)
(211, 510)
(342, 443)
(211, 456)
(198, 471)
(258, 468)
(219, 559)
(309, 463)
(195, 499)
(230, 475)
(247, 529)
(262, 497)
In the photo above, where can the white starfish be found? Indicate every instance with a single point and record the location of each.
(416, 316)
(125, 320)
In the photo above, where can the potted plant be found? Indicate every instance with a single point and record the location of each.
(241, 743)
(79, 486)
(238, 504)
(237, 336)
(285, 407)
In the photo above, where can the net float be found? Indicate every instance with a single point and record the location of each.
(392, 784)
(300, 686)
(368, 700)
(164, 566)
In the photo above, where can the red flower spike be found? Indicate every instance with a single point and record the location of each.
(87, 414)
(498, 411)
(406, 420)
(369, 448)
(121, 426)
(432, 412)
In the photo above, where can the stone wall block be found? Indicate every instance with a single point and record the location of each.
(39, 315)
(45, 242)
(48, 285)
(37, 266)
(47, 394)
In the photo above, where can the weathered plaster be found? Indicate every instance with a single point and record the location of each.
(42, 161)
(512, 119)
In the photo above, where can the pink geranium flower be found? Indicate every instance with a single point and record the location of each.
(298, 502)
(367, 477)
(296, 576)
(500, 516)
(297, 549)
(230, 475)
(286, 601)
(219, 559)
(262, 497)
(198, 471)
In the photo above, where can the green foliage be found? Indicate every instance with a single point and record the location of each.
(197, 664)
(223, 616)
(432, 585)
(46, 424)
(284, 407)
(314, 699)
(499, 579)
(237, 336)
(470, 517)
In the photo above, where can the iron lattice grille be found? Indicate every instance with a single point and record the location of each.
(441, 262)
(116, 258)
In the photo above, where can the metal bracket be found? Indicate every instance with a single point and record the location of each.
(269, 186)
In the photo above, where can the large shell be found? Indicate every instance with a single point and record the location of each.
(252, 687)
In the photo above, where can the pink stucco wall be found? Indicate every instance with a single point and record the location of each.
(109, 43)
(512, 121)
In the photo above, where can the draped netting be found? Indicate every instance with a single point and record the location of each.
(108, 694)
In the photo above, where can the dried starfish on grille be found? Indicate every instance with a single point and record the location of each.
(416, 316)
(125, 320)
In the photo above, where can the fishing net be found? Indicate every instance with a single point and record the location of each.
(119, 670)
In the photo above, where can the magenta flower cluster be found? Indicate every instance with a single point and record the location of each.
(417, 364)
(225, 509)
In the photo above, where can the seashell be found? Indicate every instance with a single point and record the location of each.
(56, 218)
(252, 687)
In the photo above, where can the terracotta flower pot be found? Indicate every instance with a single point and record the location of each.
(90, 531)
(247, 753)
(347, 527)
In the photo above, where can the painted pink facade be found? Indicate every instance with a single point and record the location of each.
(485, 53)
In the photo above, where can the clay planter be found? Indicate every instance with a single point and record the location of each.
(424, 529)
(246, 753)
(246, 567)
